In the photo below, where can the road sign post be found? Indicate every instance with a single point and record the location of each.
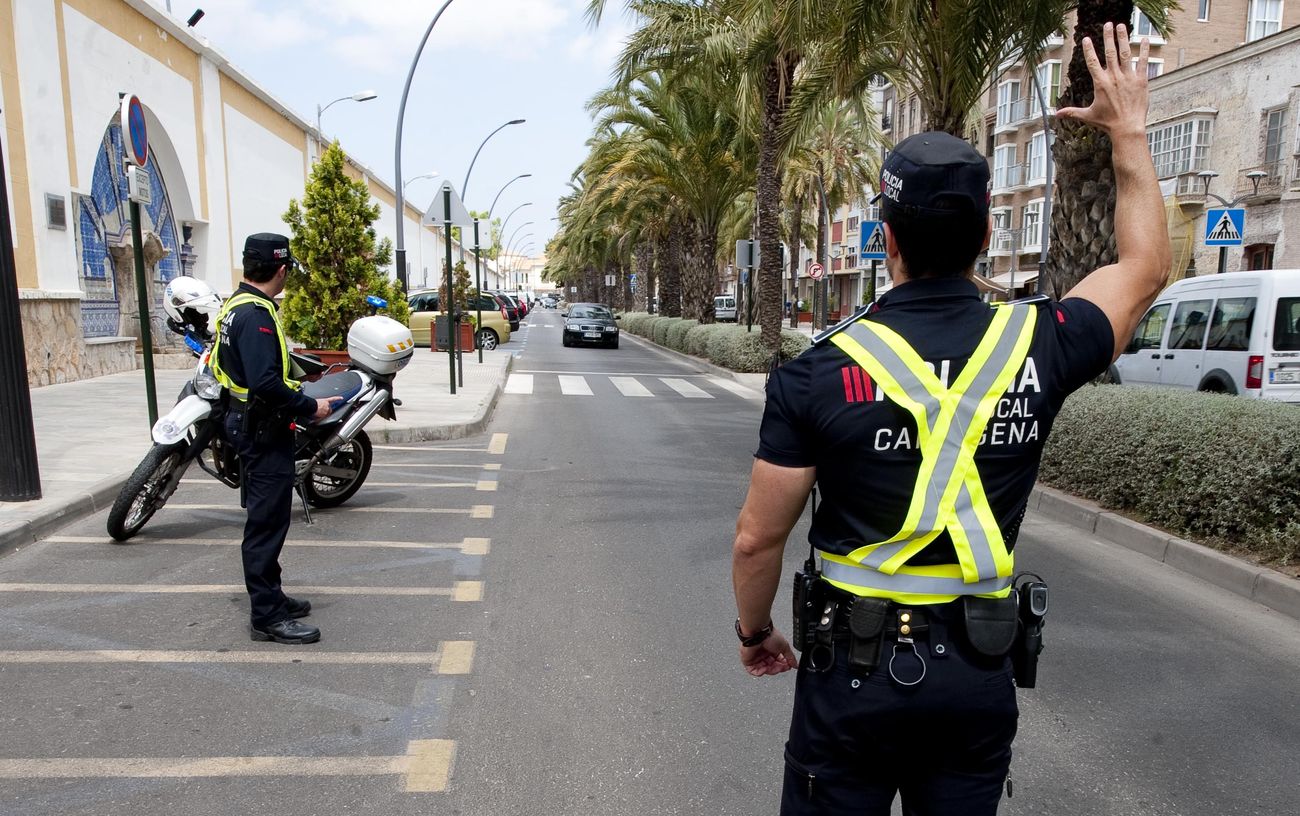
(135, 137)
(478, 293)
(20, 476)
(872, 248)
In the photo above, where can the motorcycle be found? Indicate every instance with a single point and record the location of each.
(332, 456)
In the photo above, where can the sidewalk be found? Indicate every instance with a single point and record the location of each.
(91, 434)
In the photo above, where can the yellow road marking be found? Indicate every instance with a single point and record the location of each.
(190, 767)
(457, 657)
(484, 486)
(470, 546)
(429, 767)
(497, 466)
(498, 443)
(467, 591)
(481, 511)
(455, 593)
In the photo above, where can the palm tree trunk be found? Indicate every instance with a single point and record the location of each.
(1083, 211)
(704, 277)
(670, 292)
(768, 195)
(796, 241)
(819, 308)
(643, 263)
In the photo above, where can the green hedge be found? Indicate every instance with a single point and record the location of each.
(1222, 469)
(727, 345)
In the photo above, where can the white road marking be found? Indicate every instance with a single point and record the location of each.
(429, 767)
(431, 510)
(686, 389)
(519, 384)
(461, 591)
(498, 444)
(454, 659)
(486, 486)
(574, 386)
(368, 484)
(192, 767)
(737, 388)
(607, 374)
(630, 387)
(470, 546)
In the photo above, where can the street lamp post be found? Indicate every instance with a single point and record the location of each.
(424, 278)
(1206, 176)
(465, 187)
(400, 257)
(359, 96)
(502, 190)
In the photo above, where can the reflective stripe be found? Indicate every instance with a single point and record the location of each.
(238, 391)
(950, 422)
(935, 584)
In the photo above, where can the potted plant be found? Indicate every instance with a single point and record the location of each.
(462, 287)
(333, 238)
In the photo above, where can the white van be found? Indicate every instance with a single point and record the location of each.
(724, 308)
(1235, 333)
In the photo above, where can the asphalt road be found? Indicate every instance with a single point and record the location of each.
(538, 621)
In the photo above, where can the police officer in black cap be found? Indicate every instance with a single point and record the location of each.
(922, 424)
(251, 359)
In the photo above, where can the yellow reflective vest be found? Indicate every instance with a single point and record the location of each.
(948, 496)
(240, 392)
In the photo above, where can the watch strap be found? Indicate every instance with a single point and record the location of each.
(756, 638)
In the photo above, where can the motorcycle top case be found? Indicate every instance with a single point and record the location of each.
(380, 345)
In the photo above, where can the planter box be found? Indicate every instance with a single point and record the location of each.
(464, 340)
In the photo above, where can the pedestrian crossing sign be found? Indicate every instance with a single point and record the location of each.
(873, 241)
(1225, 226)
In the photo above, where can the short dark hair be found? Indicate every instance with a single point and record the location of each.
(938, 246)
(261, 271)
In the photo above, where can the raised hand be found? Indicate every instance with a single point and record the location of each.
(1119, 104)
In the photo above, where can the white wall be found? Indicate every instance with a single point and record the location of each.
(212, 241)
(265, 172)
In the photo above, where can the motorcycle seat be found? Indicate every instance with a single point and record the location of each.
(345, 384)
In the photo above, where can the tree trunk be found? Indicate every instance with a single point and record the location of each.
(820, 292)
(660, 250)
(796, 243)
(700, 273)
(670, 291)
(768, 194)
(1083, 208)
(643, 263)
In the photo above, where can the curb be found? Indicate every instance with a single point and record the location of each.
(1259, 584)
(101, 495)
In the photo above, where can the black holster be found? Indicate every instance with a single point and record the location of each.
(264, 425)
(991, 624)
(1032, 608)
(866, 633)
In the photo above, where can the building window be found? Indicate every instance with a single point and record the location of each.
(887, 118)
(1002, 218)
(1049, 79)
(916, 122)
(1143, 27)
(1275, 127)
(1263, 18)
(1203, 11)
(1259, 256)
(852, 225)
(1031, 224)
(1036, 158)
(1005, 167)
(1180, 147)
(1008, 103)
(1155, 67)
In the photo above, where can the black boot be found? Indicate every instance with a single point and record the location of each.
(286, 631)
(297, 608)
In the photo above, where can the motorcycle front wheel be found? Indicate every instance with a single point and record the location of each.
(143, 493)
(338, 477)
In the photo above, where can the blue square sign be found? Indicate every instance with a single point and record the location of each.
(1225, 227)
(872, 241)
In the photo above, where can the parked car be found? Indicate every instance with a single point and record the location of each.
(549, 302)
(512, 311)
(424, 306)
(590, 323)
(724, 308)
(1237, 333)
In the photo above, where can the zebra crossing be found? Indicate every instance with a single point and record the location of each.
(591, 384)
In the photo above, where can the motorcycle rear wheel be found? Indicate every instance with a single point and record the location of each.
(338, 478)
(142, 495)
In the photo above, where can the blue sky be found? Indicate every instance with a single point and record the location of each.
(487, 62)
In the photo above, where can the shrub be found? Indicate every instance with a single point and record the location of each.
(1215, 467)
(648, 328)
(697, 339)
(633, 322)
(661, 329)
(676, 335)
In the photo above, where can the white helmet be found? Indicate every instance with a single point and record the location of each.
(191, 302)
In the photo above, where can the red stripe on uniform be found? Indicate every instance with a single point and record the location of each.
(848, 388)
(857, 385)
(867, 394)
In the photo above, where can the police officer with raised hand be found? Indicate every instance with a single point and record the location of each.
(251, 359)
(923, 425)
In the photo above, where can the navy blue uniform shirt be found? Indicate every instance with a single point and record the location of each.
(824, 411)
(251, 355)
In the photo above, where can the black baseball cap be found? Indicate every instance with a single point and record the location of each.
(934, 175)
(267, 248)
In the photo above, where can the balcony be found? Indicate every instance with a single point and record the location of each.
(1030, 240)
(1190, 190)
(1271, 177)
(1008, 177)
(1012, 113)
(886, 123)
(1001, 242)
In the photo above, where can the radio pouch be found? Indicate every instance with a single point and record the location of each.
(991, 623)
(866, 630)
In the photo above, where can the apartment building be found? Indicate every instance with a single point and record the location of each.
(1013, 131)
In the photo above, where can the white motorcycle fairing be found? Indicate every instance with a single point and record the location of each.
(173, 427)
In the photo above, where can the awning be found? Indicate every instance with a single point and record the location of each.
(1023, 277)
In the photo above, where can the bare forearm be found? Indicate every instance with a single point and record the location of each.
(1141, 233)
(755, 576)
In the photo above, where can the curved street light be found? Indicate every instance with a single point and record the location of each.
(502, 190)
(409, 182)
(359, 96)
(506, 222)
(400, 257)
(465, 186)
(511, 239)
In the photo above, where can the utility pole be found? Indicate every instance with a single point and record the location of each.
(20, 477)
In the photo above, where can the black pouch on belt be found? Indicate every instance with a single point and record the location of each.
(866, 630)
(991, 623)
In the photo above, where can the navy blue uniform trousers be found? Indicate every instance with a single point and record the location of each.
(943, 744)
(266, 477)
